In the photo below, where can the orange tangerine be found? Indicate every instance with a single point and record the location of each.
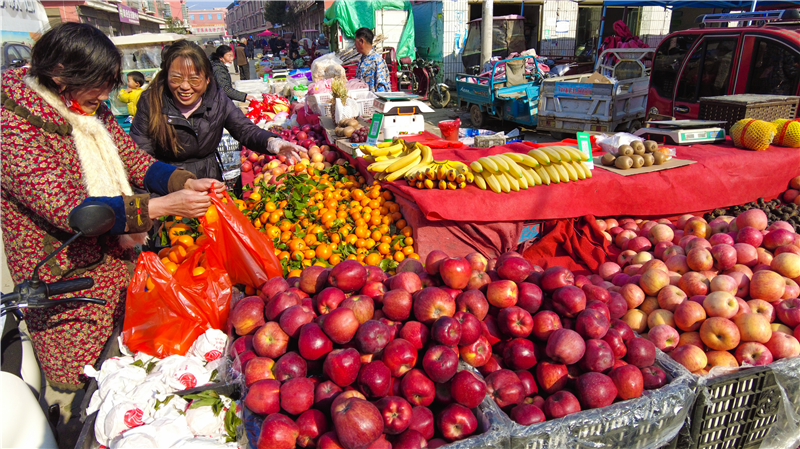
(185, 241)
(351, 238)
(163, 253)
(335, 259)
(386, 239)
(310, 239)
(376, 220)
(274, 217)
(369, 243)
(212, 215)
(384, 248)
(270, 206)
(376, 235)
(171, 267)
(273, 232)
(351, 257)
(297, 255)
(335, 238)
(400, 224)
(413, 256)
(150, 285)
(408, 250)
(295, 273)
(283, 255)
(249, 291)
(373, 259)
(286, 236)
(297, 245)
(360, 243)
(399, 256)
(323, 251)
(361, 257)
(309, 254)
(254, 197)
(198, 271)
(177, 254)
(285, 225)
(407, 231)
(408, 241)
(357, 194)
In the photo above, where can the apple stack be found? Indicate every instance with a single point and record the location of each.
(722, 293)
(343, 357)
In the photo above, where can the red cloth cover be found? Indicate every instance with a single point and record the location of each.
(575, 243)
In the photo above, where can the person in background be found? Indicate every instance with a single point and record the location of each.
(131, 94)
(293, 45)
(219, 64)
(251, 48)
(209, 48)
(241, 59)
(62, 147)
(280, 44)
(322, 41)
(235, 66)
(182, 115)
(273, 45)
(372, 68)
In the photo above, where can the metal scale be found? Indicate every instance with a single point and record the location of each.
(683, 132)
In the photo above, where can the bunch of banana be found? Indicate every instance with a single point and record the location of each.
(516, 171)
(395, 167)
(384, 150)
(440, 174)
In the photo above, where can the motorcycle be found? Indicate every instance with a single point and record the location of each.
(428, 87)
(26, 423)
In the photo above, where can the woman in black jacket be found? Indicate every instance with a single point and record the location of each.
(179, 120)
(219, 64)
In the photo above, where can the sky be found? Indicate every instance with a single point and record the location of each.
(207, 4)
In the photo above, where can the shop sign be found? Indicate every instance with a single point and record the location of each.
(19, 5)
(128, 15)
(583, 90)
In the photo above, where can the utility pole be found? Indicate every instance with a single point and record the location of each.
(487, 31)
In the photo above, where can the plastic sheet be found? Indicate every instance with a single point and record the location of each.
(785, 433)
(609, 144)
(648, 422)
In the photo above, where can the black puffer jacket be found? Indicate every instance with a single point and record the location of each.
(200, 134)
(223, 78)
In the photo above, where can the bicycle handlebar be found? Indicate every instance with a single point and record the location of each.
(69, 286)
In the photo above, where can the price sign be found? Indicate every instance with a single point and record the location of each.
(585, 147)
(530, 231)
(374, 129)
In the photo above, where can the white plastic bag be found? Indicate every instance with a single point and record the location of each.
(116, 415)
(326, 67)
(162, 433)
(610, 143)
(348, 110)
(210, 345)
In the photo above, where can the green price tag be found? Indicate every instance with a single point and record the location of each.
(374, 129)
(585, 147)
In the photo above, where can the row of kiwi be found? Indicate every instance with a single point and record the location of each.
(636, 155)
(346, 127)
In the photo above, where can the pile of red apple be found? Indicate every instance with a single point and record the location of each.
(343, 357)
(722, 293)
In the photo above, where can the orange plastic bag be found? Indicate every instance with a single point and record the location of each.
(167, 319)
(247, 254)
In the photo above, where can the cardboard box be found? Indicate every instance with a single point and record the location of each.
(596, 78)
(672, 163)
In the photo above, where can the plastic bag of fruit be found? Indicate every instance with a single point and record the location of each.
(247, 254)
(164, 314)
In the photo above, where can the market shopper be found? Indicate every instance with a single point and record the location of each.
(219, 63)
(181, 117)
(130, 95)
(241, 59)
(61, 148)
(372, 68)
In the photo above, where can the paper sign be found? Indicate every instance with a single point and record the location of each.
(585, 147)
(374, 129)
(550, 21)
(562, 26)
(530, 231)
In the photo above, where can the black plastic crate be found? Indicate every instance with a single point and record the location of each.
(733, 411)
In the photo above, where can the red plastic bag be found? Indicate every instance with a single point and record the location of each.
(168, 318)
(247, 254)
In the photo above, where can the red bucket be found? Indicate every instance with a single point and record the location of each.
(449, 129)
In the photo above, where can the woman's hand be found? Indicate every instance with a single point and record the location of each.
(205, 185)
(184, 203)
(288, 149)
(251, 98)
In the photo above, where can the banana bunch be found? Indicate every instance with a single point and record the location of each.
(440, 174)
(384, 150)
(397, 164)
(512, 172)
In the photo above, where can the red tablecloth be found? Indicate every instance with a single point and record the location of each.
(723, 176)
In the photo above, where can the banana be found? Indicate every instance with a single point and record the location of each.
(427, 154)
(442, 184)
(528, 161)
(529, 179)
(537, 180)
(476, 166)
(451, 175)
(384, 144)
(573, 174)
(397, 174)
(369, 149)
(523, 182)
(492, 182)
(563, 175)
(512, 182)
(480, 182)
(452, 185)
(386, 151)
(553, 174)
(579, 169)
(489, 165)
(586, 170)
(577, 155)
(381, 158)
(369, 159)
(499, 161)
(405, 161)
(543, 174)
(516, 157)
(379, 167)
(505, 186)
(469, 177)
(428, 184)
(459, 166)
(554, 155)
(540, 156)
(513, 168)
(566, 156)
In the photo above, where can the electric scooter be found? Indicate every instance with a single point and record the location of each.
(428, 88)
(25, 422)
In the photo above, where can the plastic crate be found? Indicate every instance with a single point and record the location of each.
(320, 104)
(648, 422)
(732, 108)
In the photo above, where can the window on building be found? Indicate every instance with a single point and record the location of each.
(708, 70)
(191, 16)
(201, 17)
(667, 63)
(775, 69)
(219, 16)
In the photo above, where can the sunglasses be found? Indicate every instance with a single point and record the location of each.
(194, 81)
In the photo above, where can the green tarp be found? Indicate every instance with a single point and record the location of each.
(351, 15)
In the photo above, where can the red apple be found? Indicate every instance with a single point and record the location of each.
(753, 327)
(467, 389)
(502, 293)
(434, 260)
(470, 328)
(313, 279)
(556, 277)
(415, 333)
(313, 344)
(399, 356)
(270, 340)
(422, 421)
(440, 363)
(596, 390)
(527, 414)
(591, 324)
(324, 394)
(665, 337)
(753, 353)
(788, 311)
(329, 299)
(689, 316)
(474, 302)
(278, 432)
(783, 346)
(545, 323)
(598, 357)
(293, 318)
(396, 413)
(431, 303)
(515, 269)
(348, 276)
(446, 330)
(397, 304)
(247, 315)
(297, 395)
(653, 377)
(289, 366)
(417, 388)
(357, 422)
(456, 422)
(641, 352)
(690, 356)
(455, 272)
(515, 322)
(560, 404)
(565, 346)
(518, 354)
(263, 397)
(505, 387)
(720, 334)
(629, 382)
(767, 285)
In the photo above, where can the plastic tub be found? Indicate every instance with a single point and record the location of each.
(449, 129)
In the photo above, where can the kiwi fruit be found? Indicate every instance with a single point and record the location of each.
(608, 159)
(343, 122)
(347, 132)
(338, 131)
(638, 147)
(650, 146)
(625, 150)
(353, 123)
(648, 160)
(624, 162)
(638, 161)
(659, 158)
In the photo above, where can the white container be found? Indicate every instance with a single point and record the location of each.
(402, 125)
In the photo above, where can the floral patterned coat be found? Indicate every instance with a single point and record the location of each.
(41, 183)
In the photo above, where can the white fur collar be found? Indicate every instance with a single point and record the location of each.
(102, 170)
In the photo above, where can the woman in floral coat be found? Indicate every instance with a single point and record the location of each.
(62, 147)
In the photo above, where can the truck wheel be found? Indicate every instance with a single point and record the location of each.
(476, 116)
(635, 125)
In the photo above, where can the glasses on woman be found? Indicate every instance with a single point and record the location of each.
(178, 80)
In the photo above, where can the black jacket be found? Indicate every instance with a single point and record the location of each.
(200, 134)
(223, 78)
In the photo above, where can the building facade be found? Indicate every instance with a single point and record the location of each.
(245, 18)
(208, 21)
(113, 17)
